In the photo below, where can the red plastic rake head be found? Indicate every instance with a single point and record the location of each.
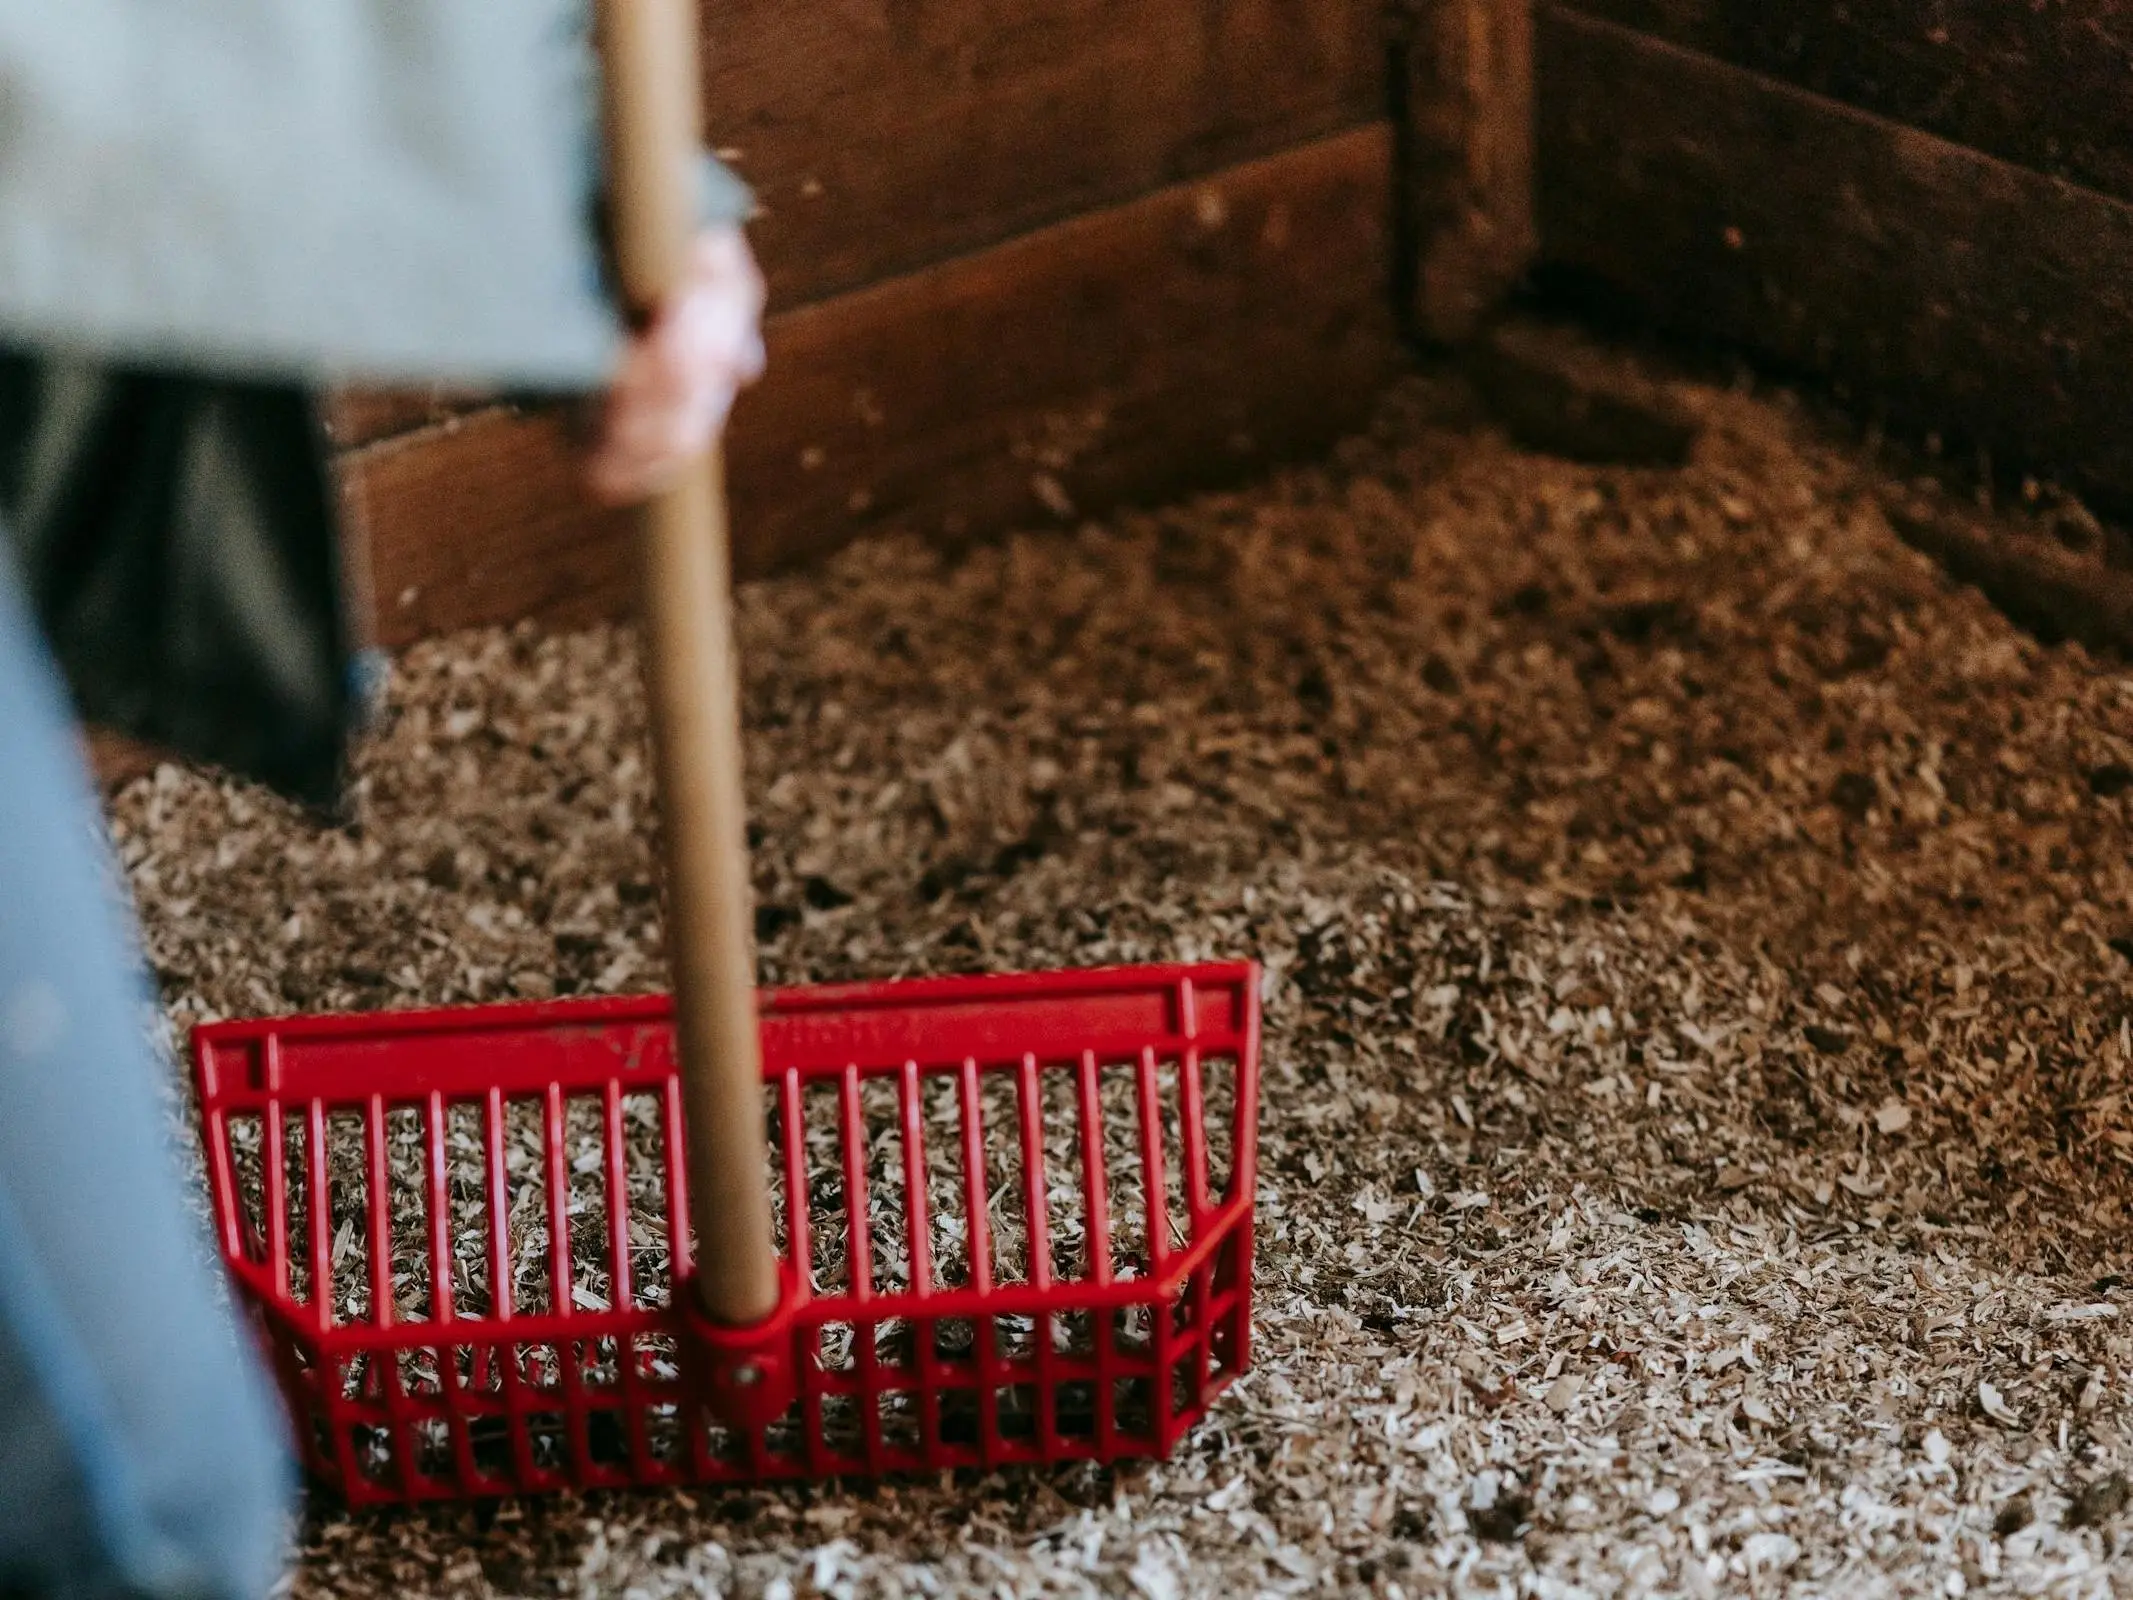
(1015, 1217)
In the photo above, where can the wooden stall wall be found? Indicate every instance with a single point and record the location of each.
(1025, 261)
(1931, 202)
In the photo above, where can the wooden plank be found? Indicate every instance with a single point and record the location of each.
(883, 137)
(1559, 392)
(117, 760)
(1967, 294)
(363, 416)
(483, 520)
(1466, 76)
(2054, 592)
(2044, 85)
(1151, 347)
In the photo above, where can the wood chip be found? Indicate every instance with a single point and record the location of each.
(1994, 1405)
(1563, 1393)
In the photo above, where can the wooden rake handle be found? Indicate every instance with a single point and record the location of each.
(650, 54)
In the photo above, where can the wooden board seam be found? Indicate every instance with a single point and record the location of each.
(2039, 85)
(778, 323)
(1764, 82)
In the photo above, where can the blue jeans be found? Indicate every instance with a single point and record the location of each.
(141, 1452)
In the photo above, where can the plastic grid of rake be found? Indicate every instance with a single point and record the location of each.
(392, 1408)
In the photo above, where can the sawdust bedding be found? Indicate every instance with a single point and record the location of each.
(1696, 1150)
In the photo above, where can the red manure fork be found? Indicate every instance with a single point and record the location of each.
(961, 1222)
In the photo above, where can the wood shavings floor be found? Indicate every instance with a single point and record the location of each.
(1696, 1149)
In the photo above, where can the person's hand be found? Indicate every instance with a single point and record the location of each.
(682, 372)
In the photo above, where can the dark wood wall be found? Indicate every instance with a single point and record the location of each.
(1929, 200)
(1026, 261)
(2043, 84)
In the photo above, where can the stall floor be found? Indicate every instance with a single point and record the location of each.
(1696, 1142)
